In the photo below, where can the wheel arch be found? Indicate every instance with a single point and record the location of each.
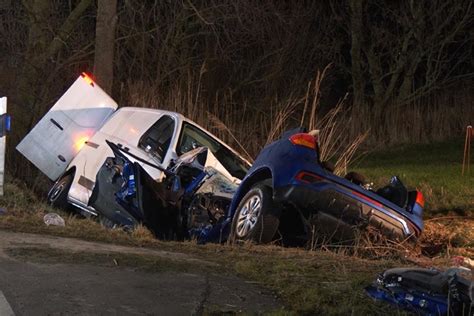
(60, 198)
(69, 171)
(262, 174)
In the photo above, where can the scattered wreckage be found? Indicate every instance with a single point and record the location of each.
(426, 291)
(135, 165)
(192, 197)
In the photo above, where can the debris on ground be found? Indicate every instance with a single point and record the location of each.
(54, 219)
(426, 291)
(463, 261)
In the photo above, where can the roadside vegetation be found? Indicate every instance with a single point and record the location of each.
(237, 69)
(327, 279)
(433, 168)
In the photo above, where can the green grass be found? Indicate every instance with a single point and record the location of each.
(435, 169)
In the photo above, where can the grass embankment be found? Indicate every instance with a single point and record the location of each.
(312, 282)
(434, 169)
(308, 282)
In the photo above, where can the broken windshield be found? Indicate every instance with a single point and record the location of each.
(192, 137)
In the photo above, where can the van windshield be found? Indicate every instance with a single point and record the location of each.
(192, 137)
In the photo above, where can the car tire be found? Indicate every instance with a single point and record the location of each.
(57, 196)
(256, 218)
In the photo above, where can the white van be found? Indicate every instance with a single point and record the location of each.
(68, 143)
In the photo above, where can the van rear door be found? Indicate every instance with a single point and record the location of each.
(61, 133)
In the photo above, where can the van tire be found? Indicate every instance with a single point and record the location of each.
(57, 196)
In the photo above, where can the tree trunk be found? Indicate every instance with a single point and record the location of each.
(104, 43)
(40, 52)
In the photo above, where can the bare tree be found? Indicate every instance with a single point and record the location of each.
(105, 43)
(358, 82)
(43, 44)
(404, 50)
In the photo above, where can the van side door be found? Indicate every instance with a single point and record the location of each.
(60, 134)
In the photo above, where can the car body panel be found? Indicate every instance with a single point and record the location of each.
(194, 195)
(425, 291)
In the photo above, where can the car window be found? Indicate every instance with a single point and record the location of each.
(156, 140)
(192, 137)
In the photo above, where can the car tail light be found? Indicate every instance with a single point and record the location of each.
(303, 139)
(420, 199)
(308, 177)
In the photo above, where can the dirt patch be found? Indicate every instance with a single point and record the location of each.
(59, 275)
(9, 240)
(147, 263)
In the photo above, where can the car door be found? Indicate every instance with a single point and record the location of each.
(60, 134)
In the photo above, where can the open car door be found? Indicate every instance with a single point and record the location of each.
(61, 133)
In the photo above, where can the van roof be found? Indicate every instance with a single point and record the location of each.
(181, 117)
(150, 110)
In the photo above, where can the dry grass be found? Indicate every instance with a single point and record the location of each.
(439, 117)
(239, 61)
(326, 280)
(246, 128)
(443, 237)
(448, 236)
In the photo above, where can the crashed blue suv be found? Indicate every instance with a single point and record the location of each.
(290, 194)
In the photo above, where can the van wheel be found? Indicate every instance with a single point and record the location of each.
(57, 196)
(257, 217)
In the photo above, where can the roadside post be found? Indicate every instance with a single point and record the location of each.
(4, 129)
(466, 161)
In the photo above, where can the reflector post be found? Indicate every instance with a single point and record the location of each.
(5, 128)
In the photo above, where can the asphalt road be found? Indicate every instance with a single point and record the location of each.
(31, 288)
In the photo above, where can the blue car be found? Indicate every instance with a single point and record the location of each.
(290, 194)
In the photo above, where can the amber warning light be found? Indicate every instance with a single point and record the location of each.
(87, 78)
